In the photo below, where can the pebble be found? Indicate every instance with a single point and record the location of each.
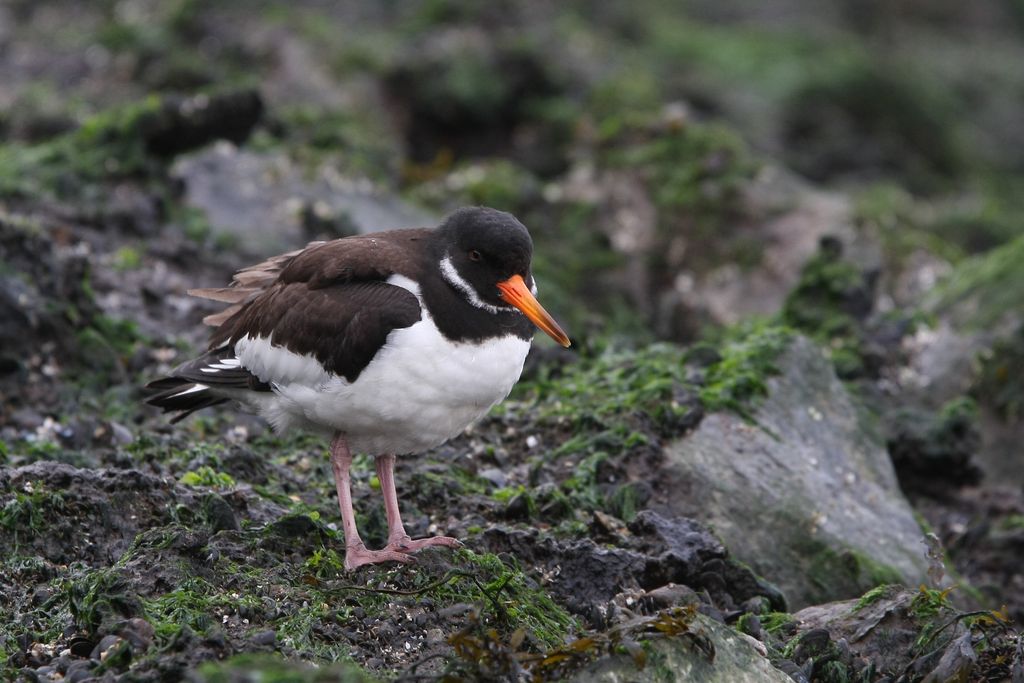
(494, 475)
(456, 610)
(138, 632)
(62, 663)
(81, 646)
(262, 638)
(518, 508)
(41, 595)
(78, 671)
(103, 647)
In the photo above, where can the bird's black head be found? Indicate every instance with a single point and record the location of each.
(484, 247)
(485, 255)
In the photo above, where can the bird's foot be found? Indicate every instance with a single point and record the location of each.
(358, 556)
(404, 544)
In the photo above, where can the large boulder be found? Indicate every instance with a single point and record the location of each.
(271, 203)
(804, 492)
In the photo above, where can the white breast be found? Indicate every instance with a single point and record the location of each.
(419, 390)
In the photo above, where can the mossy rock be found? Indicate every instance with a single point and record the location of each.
(803, 491)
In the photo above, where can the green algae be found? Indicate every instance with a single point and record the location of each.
(207, 476)
(828, 303)
(272, 668)
(847, 570)
(880, 592)
(739, 378)
(247, 584)
(983, 291)
(27, 511)
(106, 145)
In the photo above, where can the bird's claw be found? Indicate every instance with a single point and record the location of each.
(409, 545)
(357, 557)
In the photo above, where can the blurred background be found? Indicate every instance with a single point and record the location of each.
(677, 162)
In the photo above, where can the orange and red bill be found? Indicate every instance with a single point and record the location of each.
(514, 291)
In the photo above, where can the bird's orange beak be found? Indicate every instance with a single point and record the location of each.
(514, 291)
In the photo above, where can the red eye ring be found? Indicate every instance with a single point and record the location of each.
(475, 255)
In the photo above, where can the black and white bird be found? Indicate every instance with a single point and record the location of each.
(390, 343)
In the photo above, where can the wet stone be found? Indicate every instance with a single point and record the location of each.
(105, 644)
(78, 671)
(81, 647)
(219, 514)
(139, 633)
(669, 595)
(518, 508)
(41, 595)
(493, 475)
(264, 638)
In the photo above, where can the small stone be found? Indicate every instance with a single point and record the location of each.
(669, 595)
(456, 610)
(41, 595)
(98, 653)
(78, 671)
(62, 663)
(139, 633)
(519, 507)
(494, 475)
(81, 646)
(264, 638)
(120, 434)
(219, 513)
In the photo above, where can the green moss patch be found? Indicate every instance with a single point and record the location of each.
(230, 587)
(739, 378)
(271, 668)
(983, 290)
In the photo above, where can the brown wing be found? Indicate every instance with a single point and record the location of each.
(246, 284)
(329, 300)
(341, 325)
(320, 264)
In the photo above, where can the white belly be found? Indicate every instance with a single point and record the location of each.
(417, 392)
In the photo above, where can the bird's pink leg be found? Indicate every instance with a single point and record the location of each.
(398, 539)
(356, 553)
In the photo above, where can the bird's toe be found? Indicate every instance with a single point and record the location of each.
(410, 545)
(358, 557)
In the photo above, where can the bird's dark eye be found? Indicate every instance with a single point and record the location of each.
(474, 255)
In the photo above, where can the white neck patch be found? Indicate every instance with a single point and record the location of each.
(453, 278)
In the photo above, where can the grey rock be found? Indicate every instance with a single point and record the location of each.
(493, 475)
(78, 671)
(957, 661)
(737, 659)
(885, 634)
(806, 495)
(105, 644)
(264, 638)
(138, 632)
(260, 198)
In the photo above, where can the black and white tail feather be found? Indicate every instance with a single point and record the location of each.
(198, 383)
(194, 385)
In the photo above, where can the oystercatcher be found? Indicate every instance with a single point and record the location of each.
(390, 343)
